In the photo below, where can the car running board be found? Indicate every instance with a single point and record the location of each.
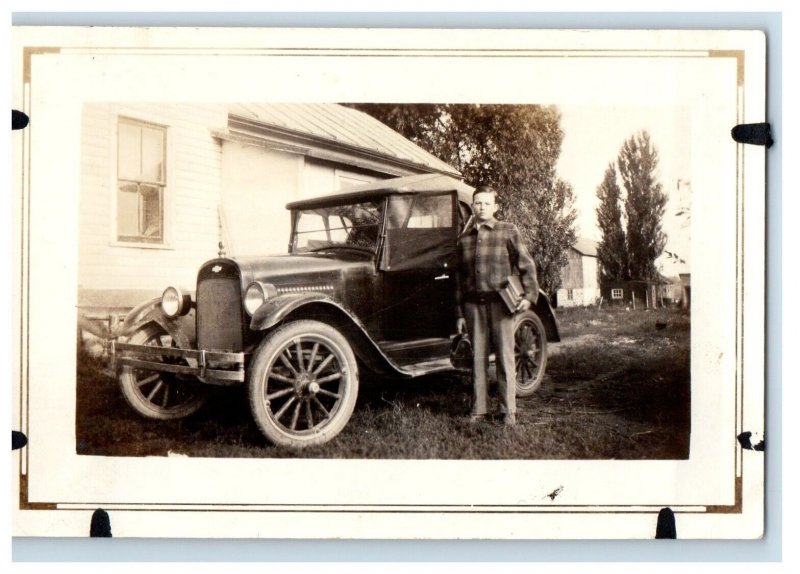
(428, 367)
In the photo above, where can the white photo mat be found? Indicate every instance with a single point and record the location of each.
(717, 493)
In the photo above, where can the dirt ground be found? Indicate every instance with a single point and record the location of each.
(617, 387)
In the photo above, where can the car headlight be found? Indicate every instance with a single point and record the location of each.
(256, 294)
(174, 302)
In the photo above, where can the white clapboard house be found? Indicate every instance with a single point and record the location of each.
(163, 184)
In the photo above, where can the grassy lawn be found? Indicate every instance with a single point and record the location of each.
(617, 388)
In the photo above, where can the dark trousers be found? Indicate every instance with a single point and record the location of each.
(490, 326)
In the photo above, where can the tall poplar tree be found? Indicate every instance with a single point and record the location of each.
(645, 203)
(612, 252)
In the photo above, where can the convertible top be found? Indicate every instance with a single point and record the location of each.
(422, 183)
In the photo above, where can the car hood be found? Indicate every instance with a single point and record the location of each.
(302, 269)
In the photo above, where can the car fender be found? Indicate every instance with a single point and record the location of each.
(133, 320)
(181, 328)
(548, 317)
(276, 309)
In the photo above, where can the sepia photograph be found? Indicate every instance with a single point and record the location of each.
(346, 344)
(388, 284)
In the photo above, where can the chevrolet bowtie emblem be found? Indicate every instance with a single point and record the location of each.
(216, 268)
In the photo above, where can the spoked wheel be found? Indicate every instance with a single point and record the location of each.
(530, 352)
(303, 384)
(155, 394)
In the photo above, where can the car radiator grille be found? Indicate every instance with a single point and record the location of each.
(219, 311)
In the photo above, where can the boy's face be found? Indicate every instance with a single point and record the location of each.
(484, 206)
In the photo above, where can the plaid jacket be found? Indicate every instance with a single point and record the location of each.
(487, 255)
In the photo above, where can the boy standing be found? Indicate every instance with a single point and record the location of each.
(489, 252)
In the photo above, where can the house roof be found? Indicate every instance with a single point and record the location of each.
(343, 128)
(585, 246)
(660, 280)
(421, 183)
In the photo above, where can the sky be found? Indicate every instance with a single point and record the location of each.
(593, 136)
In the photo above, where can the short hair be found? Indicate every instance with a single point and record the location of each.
(484, 189)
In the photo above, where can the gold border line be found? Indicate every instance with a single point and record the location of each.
(30, 52)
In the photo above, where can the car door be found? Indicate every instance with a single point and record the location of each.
(418, 266)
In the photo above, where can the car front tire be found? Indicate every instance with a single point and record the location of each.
(303, 384)
(159, 395)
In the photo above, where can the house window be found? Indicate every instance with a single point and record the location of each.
(570, 294)
(616, 293)
(141, 178)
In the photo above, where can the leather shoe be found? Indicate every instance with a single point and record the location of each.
(510, 420)
(477, 418)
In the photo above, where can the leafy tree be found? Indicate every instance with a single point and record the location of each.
(612, 253)
(645, 204)
(512, 147)
(631, 254)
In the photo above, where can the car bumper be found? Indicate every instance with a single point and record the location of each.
(213, 367)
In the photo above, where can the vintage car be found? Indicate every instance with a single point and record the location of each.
(369, 283)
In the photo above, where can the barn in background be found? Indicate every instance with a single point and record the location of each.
(579, 276)
(162, 185)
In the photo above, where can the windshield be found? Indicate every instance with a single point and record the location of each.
(354, 226)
